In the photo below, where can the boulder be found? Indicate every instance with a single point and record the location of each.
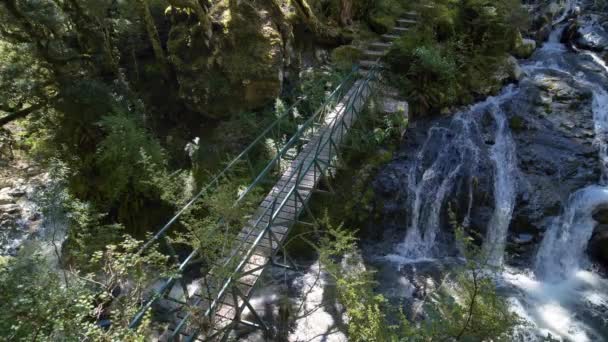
(524, 47)
(515, 71)
(241, 69)
(591, 35)
(389, 105)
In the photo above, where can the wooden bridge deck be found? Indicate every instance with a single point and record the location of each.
(291, 196)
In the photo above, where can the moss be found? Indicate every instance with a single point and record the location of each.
(516, 123)
(345, 56)
(384, 16)
(381, 23)
(241, 70)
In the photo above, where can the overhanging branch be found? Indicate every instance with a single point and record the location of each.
(20, 113)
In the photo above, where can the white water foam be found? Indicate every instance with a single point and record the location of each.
(554, 307)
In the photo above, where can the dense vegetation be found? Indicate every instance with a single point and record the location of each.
(454, 53)
(131, 106)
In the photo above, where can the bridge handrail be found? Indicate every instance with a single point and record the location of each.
(215, 181)
(276, 210)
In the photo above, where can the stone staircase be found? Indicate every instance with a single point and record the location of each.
(378, 49)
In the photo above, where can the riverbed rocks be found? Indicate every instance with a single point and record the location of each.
(592, 33)
(20, 218)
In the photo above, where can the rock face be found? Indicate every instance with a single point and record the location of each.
(552, 124)
(598, 246)
(245, 60)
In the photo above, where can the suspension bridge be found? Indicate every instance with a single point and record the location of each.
(206, 306)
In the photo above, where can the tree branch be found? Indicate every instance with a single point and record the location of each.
(20, 113)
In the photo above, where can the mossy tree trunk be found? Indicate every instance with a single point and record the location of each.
(323, 33)
(153, 37)
(200, 10)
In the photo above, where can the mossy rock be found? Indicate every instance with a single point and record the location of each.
(344, 57)
(516, 123)
(524, 48)
(240, 70)
(381, 23)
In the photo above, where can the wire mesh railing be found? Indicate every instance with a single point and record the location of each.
(326, 147)
(281, 145)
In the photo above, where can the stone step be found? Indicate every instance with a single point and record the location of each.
(366, 64)
(400, 30)
(389, 37)
(379, 46)
(406, 22)
(411, 14)
(374, 53)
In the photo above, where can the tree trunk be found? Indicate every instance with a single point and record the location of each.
(153, 37)
(323, 33)
(199, 10)
(346, 12)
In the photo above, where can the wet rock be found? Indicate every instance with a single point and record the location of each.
(598, 245)
(5, 197)
(515, 71)
(524, 47)
(591, 34)
(600, 214)
(523, 239)
(10, 208)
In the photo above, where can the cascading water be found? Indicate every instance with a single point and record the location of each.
(561, 296)
(505, 159)
(428, 187)
(563, 247)
(552, 286)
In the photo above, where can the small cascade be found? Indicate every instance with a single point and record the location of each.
(563, 247)
(600, 116)
(504, 156)
(447, 154)
(428, 186)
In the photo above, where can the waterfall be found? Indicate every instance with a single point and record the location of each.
(563, 246)
(454, 151)
(503, 154)
(428, 186)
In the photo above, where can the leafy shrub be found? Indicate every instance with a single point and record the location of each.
(427, 75)
(454, 52)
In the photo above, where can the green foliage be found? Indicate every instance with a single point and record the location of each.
(345, 57)
(468, 310)
(365, 310)
(454, 52)
(127, 157)
(316, 85)
(382, 14)
(37, 303)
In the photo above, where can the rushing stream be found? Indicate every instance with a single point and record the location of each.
(470, 164)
